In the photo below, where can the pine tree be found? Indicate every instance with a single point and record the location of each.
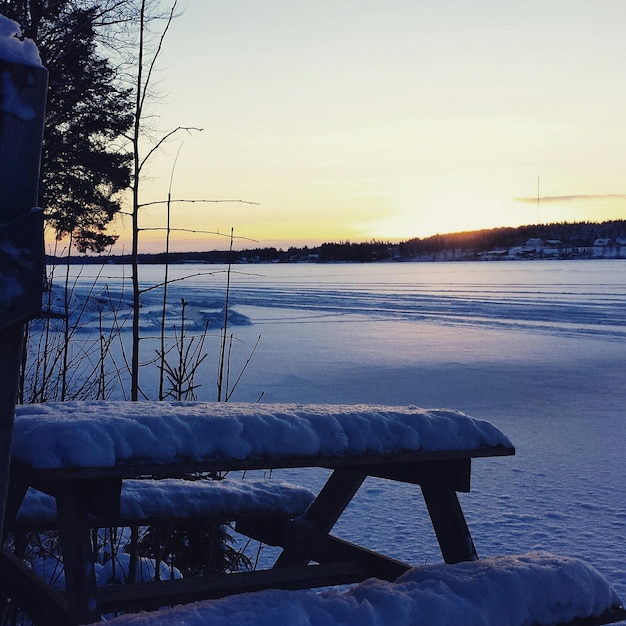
(85, 163)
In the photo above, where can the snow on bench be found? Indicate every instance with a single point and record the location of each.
(148, 501)
(529, 590)
(106, 434)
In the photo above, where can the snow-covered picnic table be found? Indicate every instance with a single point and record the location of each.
(81, 453)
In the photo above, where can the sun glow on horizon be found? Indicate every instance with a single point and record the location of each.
(445, 212)
(347, 121)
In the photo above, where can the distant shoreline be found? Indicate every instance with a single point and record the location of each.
(116, 260)
(563, 241)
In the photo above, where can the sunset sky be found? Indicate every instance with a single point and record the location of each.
(361, 119)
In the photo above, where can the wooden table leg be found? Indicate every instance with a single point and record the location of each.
(323, 512)
(449, 523)
(18, 486)
(43, 605)
(78, 557)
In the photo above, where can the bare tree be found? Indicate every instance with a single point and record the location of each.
(148, 51)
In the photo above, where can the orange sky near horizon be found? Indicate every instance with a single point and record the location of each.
(359, 120)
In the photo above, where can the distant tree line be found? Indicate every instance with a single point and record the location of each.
(579, 234)
(354, 252)
(326, 253)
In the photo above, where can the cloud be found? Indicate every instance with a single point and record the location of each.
(557, 199)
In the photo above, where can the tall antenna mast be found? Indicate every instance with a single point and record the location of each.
(538, 199)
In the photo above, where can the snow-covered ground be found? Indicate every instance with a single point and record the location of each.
(537, 348)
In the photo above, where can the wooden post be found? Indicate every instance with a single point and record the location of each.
(23, 87)
(449, 523)
(78, 558)
(322, 514)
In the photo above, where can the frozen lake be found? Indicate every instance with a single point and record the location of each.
(538, 348)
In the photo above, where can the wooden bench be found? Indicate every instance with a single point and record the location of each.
(150, 502)
(526, 590)
(170, 502)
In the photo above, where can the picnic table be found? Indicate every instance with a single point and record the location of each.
(83, 453)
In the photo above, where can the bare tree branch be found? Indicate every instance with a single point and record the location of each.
(162, 141)
(200, 232)
(157, 52)
(196, 201)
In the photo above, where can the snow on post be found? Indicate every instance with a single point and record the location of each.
(13, 49)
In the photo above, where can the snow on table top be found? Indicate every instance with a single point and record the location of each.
(178, 499)
(536, 588)
(104, 434)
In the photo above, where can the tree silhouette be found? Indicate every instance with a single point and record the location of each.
(85, 166)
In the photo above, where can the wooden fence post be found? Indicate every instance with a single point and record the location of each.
(23, 87)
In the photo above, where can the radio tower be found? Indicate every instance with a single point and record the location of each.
(537, 199)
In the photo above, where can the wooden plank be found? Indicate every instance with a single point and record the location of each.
(449, 474)
(153, 595)
(611, 616)
(332, 500)
(43, 605)
(18, 486)
(99, 496)
(11, 340)
(181, 467)
(78, 557)
(102, 496)
(156, 594)
(449, 523)
(322, 513)
(328, 549)
(127, 522)
(322, 548)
